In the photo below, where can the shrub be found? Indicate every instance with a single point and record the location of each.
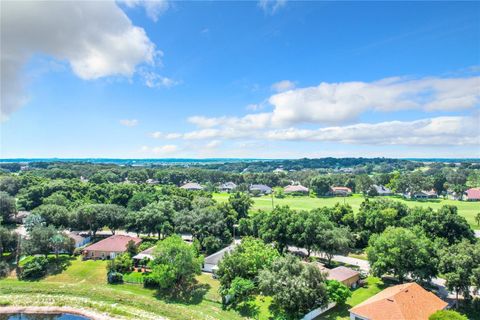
(4, 269)
(241, 290)
(338, 292)
(122, 263)
(447, 315)
(34, 269)
(114, 277)
(150, 282)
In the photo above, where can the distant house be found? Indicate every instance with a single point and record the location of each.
(260, 188)
(279, 170)
(340, 191)
(382, 190)
(401, 302)
(192, 186)
(347, 276)
(473, 194)
(295, 189)
(228, 186)
(144, 255)
(432, 194)
(110, 247)
(79, 238)
(210, 264)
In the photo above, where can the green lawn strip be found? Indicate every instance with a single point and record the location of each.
(372, 287)
(465, 208)
(83, 284)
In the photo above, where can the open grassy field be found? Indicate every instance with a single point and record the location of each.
(83, 285)
(466, 209)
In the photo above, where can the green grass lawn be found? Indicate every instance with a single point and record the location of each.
(83, 284)
(466, 209)
(373, 286)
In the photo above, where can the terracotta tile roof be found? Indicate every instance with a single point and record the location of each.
(192, 186)
(341, 189)
(402, 302)
(295, 188)
(115, 243)
(341, 273)
(473, 194)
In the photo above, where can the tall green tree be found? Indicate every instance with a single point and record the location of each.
(241, 203)
(157, 218)
(458, 263)
(400, 252)
(175, 265)
(320, 185)
(53, 214)
(7, 206)
(296, 288)
(245, 261)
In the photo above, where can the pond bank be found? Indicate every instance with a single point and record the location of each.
(54, 310)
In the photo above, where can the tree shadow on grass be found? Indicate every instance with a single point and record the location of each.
(58, 265)
(248, 309)
(193, 294)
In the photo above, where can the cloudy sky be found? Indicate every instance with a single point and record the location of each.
(266, 79)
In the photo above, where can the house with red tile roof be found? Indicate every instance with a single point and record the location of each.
(473, 194)
(340, 191)
(110, 247)
(407, 301)
(297, 188)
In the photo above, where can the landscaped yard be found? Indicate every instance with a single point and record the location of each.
(373, 286)
(83, 284)
(466, 209)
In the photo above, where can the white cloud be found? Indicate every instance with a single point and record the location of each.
(271, 6)
(213, 144)
(161, 150)
(283, 85)
(97, 39)
(155, 80)
(153, 8)
(454, 130)
(331, 103)
(434, 131)
(129, 122)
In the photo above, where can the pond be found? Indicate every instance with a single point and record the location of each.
(30, 316)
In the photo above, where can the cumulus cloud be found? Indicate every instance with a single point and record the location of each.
(153, 8)
(161, 150)
(338, 103)
(332, 103)
(97, 39)
(454, 130)
(283, 85)
(129, 122)
(457, 130)
(271, 6)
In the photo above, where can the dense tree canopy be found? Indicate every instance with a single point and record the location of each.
(402, 252)
(297, 288)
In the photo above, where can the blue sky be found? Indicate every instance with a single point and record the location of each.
(269, 79)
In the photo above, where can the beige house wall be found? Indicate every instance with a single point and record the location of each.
(94, 254)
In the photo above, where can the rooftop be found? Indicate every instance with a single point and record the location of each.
(341, 273)
(401, 302)
(115, 243)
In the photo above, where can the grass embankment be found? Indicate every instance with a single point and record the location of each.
(466, 209)
(83, 285)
